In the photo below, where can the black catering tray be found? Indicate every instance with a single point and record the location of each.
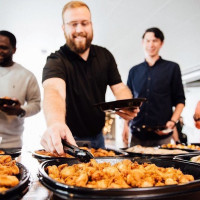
(187, 157)
(170, 192)
(19, 190)
(150, 155)
(119, 104)
(42, 158)
(14, 152)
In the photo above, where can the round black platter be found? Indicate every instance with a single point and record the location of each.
(19, 190)
(165, 192)
(14, 152)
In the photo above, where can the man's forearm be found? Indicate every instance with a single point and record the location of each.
(121, 91)
(54, 107)
(177, 112)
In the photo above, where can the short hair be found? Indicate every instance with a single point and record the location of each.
(157, 32)
(73, 4)
(11, 37)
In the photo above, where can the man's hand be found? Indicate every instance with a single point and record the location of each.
(169, 128)
(14, 109)
(51, 139)
(128, 114)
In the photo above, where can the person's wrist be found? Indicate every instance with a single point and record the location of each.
(175, 122)
(22, 114)
(196, 118)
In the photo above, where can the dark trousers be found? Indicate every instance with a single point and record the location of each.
(96, 141)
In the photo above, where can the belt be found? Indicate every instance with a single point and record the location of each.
(148, 128)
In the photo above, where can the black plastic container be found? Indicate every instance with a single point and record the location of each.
(19, 190)
(42, 158)
(187, 158)
(172, 192)
(13, 152)
(119, 104)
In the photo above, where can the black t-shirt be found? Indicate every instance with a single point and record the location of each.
(86, 84)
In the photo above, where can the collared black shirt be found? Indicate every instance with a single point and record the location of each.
(162, 85)
(86, 84)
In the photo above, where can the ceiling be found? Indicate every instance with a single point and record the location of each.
(118, 25)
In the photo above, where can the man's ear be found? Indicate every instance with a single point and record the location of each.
(162, 43)
(63, 27)
(14, 50)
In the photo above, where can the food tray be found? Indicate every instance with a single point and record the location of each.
(170, 192)
(149, 154)
(187, 158)
(19, 190)
(120, 104)
(42, 158)
(13, 152)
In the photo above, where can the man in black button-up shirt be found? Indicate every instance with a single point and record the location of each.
(159, 81)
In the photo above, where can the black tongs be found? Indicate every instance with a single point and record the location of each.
(81, 154)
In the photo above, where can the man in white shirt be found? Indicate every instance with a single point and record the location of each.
(20, 85)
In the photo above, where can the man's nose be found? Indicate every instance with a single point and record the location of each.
(79, 28)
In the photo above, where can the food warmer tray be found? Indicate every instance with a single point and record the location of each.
(13, 152)
(19, 190)
(134, 154)
(187, 158)
(171, 192)
(42, 158)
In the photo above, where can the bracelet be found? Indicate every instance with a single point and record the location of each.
(171, 120)
(22, 114)
(196, 119)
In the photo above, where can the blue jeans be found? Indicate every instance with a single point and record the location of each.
(96, 141)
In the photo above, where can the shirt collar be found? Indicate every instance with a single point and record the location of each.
(157, 61)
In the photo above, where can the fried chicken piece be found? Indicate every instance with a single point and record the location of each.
(67, 171)
(2, 152)
(8, 181)
(102, 184)
(60, 167)
(90, 170)
(186, 178)
(9, 170)
(111, 171)
(3, 189)
(5, 159)
(170, 181)
(97, 176)
(46, 153)
(53, 171)
(147, 182)
(82, 180)
(119, 182)
(124, 166)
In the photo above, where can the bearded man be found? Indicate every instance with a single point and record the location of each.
(74, 79)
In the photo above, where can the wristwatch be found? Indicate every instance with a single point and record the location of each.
(196, 119)
(22, 113)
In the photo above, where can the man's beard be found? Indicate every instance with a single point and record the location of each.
(6, 61)
(80, 47)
